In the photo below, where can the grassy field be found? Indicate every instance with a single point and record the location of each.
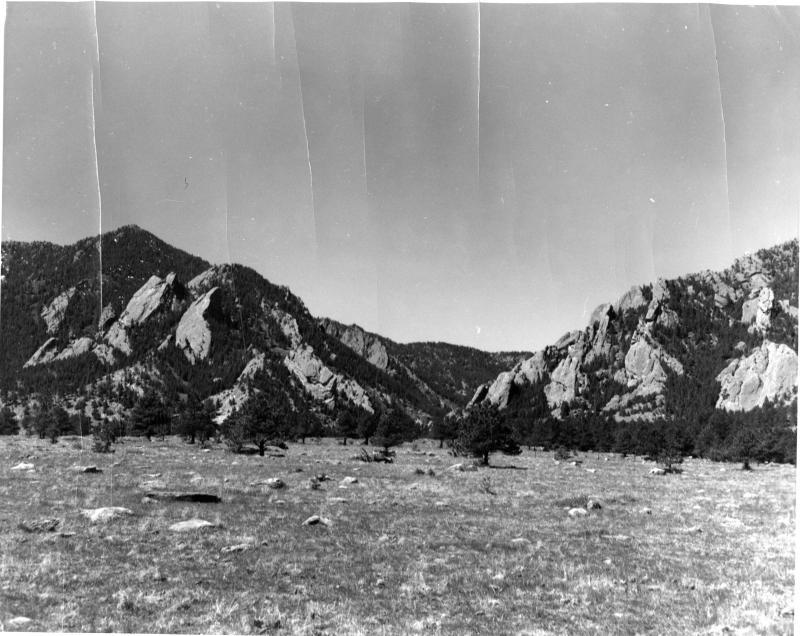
(489, 551)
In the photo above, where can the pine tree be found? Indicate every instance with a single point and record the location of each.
(484, 431)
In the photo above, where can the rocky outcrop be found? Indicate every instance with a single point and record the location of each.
(155, 295)
(757, 310)
(193, 335)
(768, 373)
(534, 369)
(235, 397)
(657, 310)
(646, 364)
(76, 348)
(53, 314)
(107, 315)
(43, 354)
(216, 276)
(631, 299)
(602, 339)
(315, 377)
(365, 344)
(567, 380)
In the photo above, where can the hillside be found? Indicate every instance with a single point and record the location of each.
(694, 358)
(161, 320)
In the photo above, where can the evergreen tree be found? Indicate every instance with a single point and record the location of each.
(484, 431)
(195, 422)
(149, 417)
(8, 422)
(394, 428)
(266, 418)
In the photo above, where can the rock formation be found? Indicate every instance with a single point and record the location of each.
(156, 294)
(365, 344)
(45, 353)
(53, 314)
(193, 335)
(768, 373)
(757, 309)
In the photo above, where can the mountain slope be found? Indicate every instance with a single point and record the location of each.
(165, 321)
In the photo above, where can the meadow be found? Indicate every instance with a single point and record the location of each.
(409, 547)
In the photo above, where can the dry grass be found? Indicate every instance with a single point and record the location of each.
(490, 551)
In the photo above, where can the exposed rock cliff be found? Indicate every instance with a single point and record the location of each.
(768, 373)
(193, 335)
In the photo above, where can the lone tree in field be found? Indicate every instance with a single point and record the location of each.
(484, 431)
(394, 428)
(195, 422)
(149, 417)
(266, 418)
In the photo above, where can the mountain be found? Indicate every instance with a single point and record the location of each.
(161, 320)
(696, 352)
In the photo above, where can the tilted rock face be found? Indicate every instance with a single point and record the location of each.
(646, 363)
(364, 344)
(534, 369)
(315, 377)
(76, 348)
(601, 338)
(53, 314)
(236, 396)
(193, 335)
(768, 373)
(566, 380)
(43, 354)
(787, 308)
(657, 310)
(216, 276)
(155, 294)
(322, 383)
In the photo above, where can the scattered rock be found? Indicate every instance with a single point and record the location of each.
(40, 525)
(19, 621)
(240, 547)
(593, 505)
(314, 520)
(23, 466)
(191, 524)
(658, 471)
(647, 511)
(592, 470)
(87, 469)
(276, 483)
(347, 481)
(172, 495)
(577, 512)
(105, 514)
(520, 541)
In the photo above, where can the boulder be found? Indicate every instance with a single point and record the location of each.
(22, 466)
(191, 524)
(194, 332)
(577, 512)
(314, 520)
(105, 514)
(40, 525)
(43, 354)
(658, 471)
(87, 469)
(347, 481)
(18, 622)
(53, 313)
(768, 373)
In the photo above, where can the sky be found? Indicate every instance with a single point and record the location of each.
(477, 174)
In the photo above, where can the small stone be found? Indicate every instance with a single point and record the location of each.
(273, 482)
(241, 547)
(191, 524)
(520, 541)
(647, 511)
(23, 466)
(658, 471)
(591, 470)
(577, 512)
(40, 525)
(87, 469)
(593, 505)
(337, 500)
(105, 514)
(348, 481)
(19, 621)
(316, 519)
(206, 450)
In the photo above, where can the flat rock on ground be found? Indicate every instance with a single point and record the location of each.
(191, 524)
(176, 495)
(102, 515)
(39, 525)
(314, 520)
